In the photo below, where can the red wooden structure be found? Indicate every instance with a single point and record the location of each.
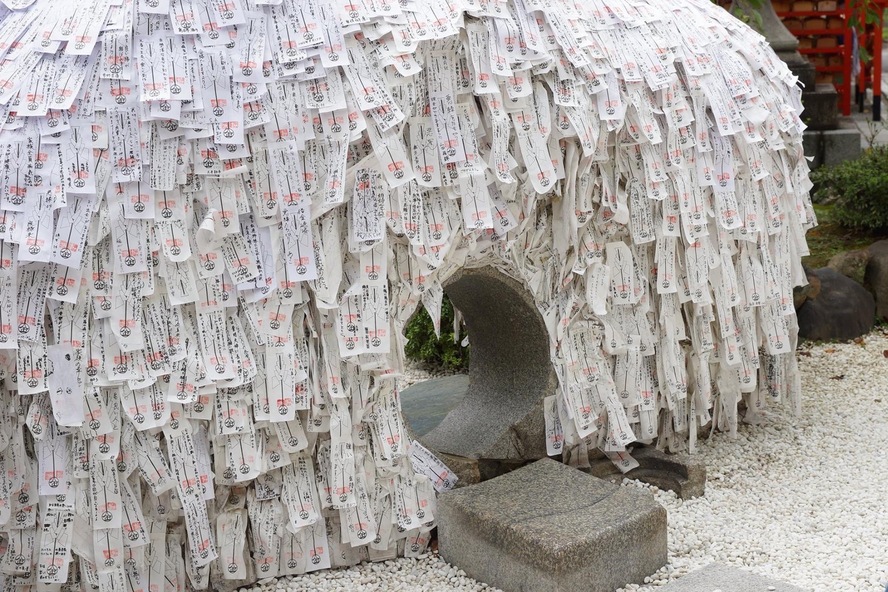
(826, 38)
(869, 74)
(829, 39)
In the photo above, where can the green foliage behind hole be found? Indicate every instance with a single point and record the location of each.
(857, 188)
(423, 346)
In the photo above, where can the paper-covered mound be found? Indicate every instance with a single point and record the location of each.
(216, 217)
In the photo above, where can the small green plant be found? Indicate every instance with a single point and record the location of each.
(748, 12)
(863, 13)
(423, 346)
(858, 190)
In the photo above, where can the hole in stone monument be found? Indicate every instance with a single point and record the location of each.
(493, 416)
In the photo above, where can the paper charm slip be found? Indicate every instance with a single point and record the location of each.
(216, 218)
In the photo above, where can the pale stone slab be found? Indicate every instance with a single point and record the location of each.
(716, 576)
(548, 527)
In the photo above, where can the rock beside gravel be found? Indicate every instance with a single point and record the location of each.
(876, 276)
(843, 309)
(801, 293)
(727, 579)
(851, 264)
(684, 474)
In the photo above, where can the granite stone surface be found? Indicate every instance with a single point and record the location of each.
(727, 579)
(841, 144)
(501, 415)
(842, 309)
(876, 276)
(681, 473)
(549, 527)
(425, 404)
(821, 107)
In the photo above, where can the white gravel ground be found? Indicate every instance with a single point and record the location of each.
(806, 500)
(803, 500)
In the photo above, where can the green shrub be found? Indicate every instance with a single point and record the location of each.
(423, 346)
(857, 188)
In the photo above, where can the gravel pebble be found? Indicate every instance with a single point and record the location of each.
(803, 500)
(428, 573)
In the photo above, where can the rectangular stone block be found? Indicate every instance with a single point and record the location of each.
(812, 142)
(841, 144)
(726, 579)
(821, 107)
(548, 527)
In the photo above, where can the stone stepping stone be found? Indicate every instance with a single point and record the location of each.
(717, 577)
(547, 527)
(425, 404)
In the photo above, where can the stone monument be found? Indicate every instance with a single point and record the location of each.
(217, 217)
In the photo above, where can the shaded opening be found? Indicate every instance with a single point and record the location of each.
(495, 412)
